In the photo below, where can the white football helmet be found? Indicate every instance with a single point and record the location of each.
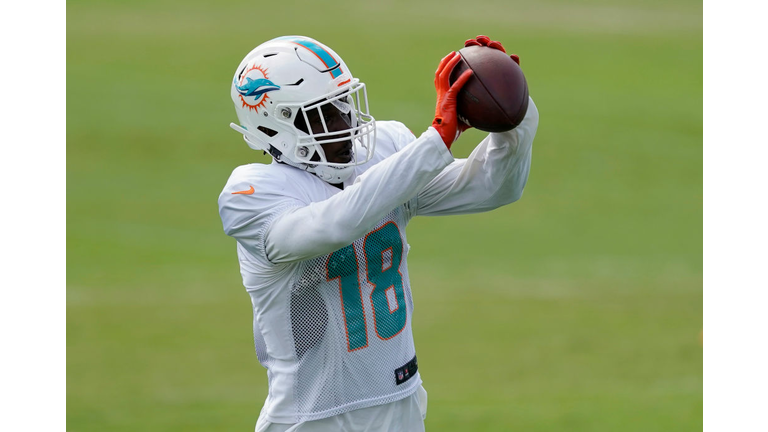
(284, 91)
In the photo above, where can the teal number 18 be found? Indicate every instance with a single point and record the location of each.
(383, 250)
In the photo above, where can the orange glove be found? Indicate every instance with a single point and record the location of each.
(446, 123)
(486, 41)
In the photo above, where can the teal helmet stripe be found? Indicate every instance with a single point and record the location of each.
(316, 49)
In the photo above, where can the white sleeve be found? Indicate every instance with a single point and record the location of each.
(247, 215)
(492, 176)
(325, 226)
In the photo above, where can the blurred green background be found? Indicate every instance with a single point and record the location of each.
(578, 308)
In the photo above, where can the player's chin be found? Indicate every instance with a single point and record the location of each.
(343, 155)
(345, 159)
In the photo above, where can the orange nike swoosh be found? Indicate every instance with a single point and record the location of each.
(245, 192)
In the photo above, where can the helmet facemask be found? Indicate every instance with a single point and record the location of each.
(336, 131)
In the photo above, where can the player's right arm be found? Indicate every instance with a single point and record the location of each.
(285, 229)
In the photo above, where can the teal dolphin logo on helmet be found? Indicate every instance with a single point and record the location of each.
(255, 86)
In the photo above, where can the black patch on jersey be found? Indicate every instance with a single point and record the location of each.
(406, 371)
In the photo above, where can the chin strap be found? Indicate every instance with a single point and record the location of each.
(333, 175)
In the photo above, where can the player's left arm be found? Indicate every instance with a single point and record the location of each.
(494, 174)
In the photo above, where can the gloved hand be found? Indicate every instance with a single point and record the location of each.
(483, 40)
(446, 123)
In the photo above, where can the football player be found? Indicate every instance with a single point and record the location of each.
(321, 235)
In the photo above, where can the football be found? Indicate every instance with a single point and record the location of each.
(495, 99)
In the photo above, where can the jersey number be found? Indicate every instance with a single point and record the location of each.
(383, 250)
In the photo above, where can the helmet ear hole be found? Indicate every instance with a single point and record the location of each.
(267, 131)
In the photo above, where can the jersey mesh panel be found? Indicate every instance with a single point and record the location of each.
(258, 338)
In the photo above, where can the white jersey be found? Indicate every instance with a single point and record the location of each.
(326, 268)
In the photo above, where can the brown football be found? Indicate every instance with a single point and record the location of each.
(495, 99)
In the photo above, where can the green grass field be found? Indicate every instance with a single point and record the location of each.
(579, 307)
